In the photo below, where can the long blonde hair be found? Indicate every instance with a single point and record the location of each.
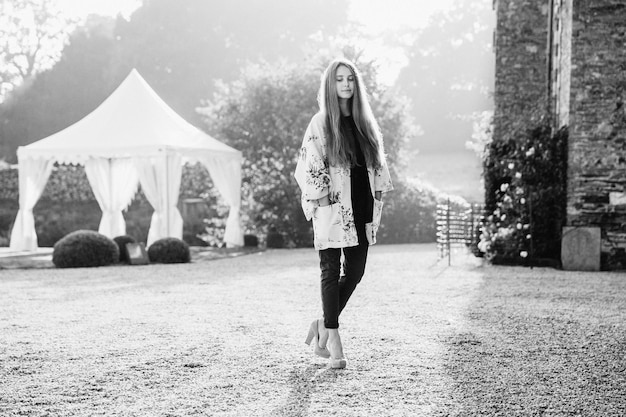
(338, 151)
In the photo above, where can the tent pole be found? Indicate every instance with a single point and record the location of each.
(167, 193)
(111, 196)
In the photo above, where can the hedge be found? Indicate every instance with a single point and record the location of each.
(526, 183)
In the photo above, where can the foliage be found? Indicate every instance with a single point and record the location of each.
(207, 225)
(181, 50)
(482, 133)
(84, 248)
(54, 220)
(183, 68)
(8, 210)
(265, 114)
(275, 239)
(450, 73)
(409, 214)
(169, 250)
(121, 242)
(525, 183)
(32, 35)
(75, 86)
(9, 185)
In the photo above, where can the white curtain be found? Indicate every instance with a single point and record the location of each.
(226, 175)
(33, 175)
(114, 183)
(160, 181)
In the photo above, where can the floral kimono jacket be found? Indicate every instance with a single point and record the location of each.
(333, 225)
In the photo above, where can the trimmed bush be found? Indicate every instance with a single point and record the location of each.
(121, 245)
(84, 248)
(169, 250)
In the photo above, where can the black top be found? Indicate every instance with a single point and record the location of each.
(362, 199)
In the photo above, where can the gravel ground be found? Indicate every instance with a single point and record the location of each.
(225, 338)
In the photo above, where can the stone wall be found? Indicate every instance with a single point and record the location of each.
(597, 147)
(521, 47)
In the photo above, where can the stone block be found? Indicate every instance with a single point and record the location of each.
(580, 248)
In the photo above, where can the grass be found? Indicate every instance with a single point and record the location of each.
(225, 338)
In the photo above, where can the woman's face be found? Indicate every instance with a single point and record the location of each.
(345, 82)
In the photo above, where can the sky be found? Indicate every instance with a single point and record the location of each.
(380, 15)
(376, 16)
(82, 8)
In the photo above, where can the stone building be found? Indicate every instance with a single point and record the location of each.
(568, 57)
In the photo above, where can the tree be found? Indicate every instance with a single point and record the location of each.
(64, 94)
(32, 36)
(265, 114)
(180, 49)
(450, 74)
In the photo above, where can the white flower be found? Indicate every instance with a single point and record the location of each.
(504, 187)
(522, 200)
(503, 217)
(519, 226)
(523, 254)
(528, 236)
(518, 175)
(511, 165)
(530, 152)
(504, 232)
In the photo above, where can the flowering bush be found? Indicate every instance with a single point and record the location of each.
(525, 183)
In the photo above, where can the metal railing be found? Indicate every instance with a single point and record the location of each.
(458, 226)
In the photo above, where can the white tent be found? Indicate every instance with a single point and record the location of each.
(132, 138)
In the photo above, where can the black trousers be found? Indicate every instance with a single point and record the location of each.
(335, 291)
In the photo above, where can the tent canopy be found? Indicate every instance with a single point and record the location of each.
(132, 138)
(132, 121)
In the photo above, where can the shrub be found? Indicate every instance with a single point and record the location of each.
(250, 241)
(121, 245)
(54, 220)
(169, 250)
(525, 184)
(275, 239)
(409, 214)
(84, 248)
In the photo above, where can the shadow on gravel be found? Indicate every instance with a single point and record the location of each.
(303, 384)
(542, 342)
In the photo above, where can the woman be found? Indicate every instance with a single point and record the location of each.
(342, 174)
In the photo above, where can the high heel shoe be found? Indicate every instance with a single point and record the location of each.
(337, 359)
(314, 333)
(338, 363)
